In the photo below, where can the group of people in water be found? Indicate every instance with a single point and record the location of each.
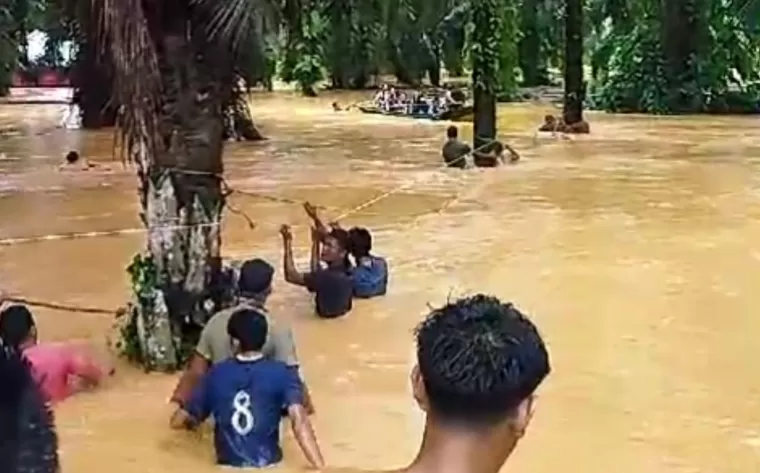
(479, 362)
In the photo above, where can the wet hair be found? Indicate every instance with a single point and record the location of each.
(479, 359)
(72, 157)
(28, 440)
(344, 241)
(360, 242)
(249, 327)
(452, 132)
(16, 324)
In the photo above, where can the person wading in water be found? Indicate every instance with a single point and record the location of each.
(332, 286)
(245, 395)
(214, 346)
(479, 362)
(454, 152)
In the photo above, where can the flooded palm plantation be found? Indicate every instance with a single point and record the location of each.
(635, 250)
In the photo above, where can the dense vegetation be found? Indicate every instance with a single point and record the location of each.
(669, 56)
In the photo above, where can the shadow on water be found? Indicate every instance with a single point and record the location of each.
(635, 250)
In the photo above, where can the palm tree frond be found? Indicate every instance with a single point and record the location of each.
(233, 22)
(124, 28)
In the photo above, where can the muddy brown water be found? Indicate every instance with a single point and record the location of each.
(635, 249)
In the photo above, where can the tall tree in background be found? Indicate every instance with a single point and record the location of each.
(574, 85)
(683, 32)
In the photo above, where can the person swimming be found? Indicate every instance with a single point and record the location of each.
(73, 161)
(492, 154)
(479, 363)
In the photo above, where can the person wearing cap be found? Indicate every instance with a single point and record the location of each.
(214, 346)
(59, 369)
(245, 395)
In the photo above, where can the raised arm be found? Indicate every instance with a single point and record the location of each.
(313, 214)
(316, 237)
(292, 275)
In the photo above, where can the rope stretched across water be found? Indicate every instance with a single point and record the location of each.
(128, 231)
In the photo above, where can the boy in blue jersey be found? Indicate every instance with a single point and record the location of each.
(246, 395)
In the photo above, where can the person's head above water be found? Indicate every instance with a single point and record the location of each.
(248, 329)
(335, 247)
(452, 132)
(255, 280)
(72, 157)
(360, 242)
(479, 362)
(17, 327)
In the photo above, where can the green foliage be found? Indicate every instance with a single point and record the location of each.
(9, 49)
(486, 26)
(143, 276)
(629, 61)
(304, 61)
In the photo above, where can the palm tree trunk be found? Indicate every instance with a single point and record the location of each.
(93, 84)
(574, 89)
(530, 44)
(681, 33)
(182, 203)
(486, 39)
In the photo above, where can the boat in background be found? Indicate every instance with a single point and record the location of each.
(456, 114)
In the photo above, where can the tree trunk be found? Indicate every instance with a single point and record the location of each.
(530, 45)
(182, 200)
(574, 87)
(681, 33)
(93, 87)
(486, 38)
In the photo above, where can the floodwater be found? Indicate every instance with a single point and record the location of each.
(635, 250)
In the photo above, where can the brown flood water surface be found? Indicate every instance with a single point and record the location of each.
(635, 250)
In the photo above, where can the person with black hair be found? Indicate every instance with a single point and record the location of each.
(60, 369)
(28, 440)
(369, 275)
(479, 363)
(455, 152)
(332, 285)
(245, 395)
(73, 161)
(254, 285)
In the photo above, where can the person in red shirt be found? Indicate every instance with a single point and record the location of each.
(59, 369)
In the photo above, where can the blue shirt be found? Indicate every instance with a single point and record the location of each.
(246, 399)
(370, 277)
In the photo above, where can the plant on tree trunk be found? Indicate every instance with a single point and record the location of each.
(174, 66)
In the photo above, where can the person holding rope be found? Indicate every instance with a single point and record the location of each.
(454, 151)
(254, 286)
(332, 286)
(369, 274)
(60, 370)
(489, 155)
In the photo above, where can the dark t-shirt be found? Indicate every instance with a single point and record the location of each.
(333, 291)
(453, 153)
(246, 399)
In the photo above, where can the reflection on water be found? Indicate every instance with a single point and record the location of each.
(635, 249)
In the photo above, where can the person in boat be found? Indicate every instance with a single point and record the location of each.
(28, 440)
(492, 155)
(245, 395)
(332, 286)
(479, 363)
(369, 273)
(454, 151)
(254, 286)
(61, 370)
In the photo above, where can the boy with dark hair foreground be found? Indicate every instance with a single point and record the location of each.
(245, 395)
(28, 441)
(479, 362)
